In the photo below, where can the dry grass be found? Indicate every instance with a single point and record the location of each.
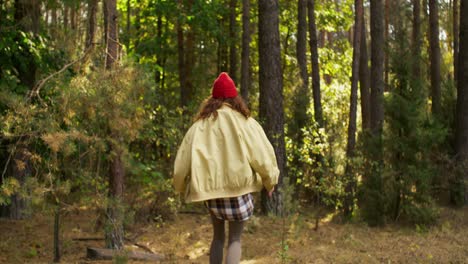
(187, 238)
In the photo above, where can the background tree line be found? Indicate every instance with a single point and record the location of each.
(365, 102)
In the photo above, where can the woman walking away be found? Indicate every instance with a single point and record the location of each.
(223, 158)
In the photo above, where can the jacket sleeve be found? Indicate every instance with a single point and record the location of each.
(261, 154)
(183, 162)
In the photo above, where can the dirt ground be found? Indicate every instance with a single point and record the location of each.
(186, 240)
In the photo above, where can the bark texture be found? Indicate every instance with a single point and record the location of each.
(364, 79)
(434, 55)
(112, 35)
(271, 92)
(315, 63)
(462, 106)
(91, 32)
(350, 188)
(245, 60)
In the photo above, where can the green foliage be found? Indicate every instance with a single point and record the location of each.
(336, 60)
(411, 141)
(8, 188)
(95, 112)
(24, 57)
(72, 132)
(315, 177)
(69, 129)
(155, 199)
(20, 52)
(283, 253)
(334, 17)
(32, 252)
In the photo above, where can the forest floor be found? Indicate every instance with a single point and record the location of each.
(186, 239)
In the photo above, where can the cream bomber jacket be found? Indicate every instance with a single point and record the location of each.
(227, 156)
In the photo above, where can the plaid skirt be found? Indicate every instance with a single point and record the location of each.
(232, 209)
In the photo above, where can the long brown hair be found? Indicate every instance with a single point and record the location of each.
(210, 106)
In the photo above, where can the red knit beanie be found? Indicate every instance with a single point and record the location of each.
(224, 87)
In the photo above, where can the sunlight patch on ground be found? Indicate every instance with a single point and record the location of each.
(251, 261)
(197, 250)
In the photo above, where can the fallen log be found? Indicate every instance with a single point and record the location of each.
(126, 239)
(106, 254)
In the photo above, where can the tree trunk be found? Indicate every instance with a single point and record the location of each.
(25, 17)
(185, 45)
(455, 39)
(377, 67)
(302, 94)
(114, 233)
(387, 41)
(301, 44)
(417, 40)
(233, 40)
(158, 68)
(112, 34)
(271, 92)
(54, 15)
(129, 6)
(35, 14)
(189, 60)
(181, 56)
(315, 63)
(404, 130)
(317, 99)
(461, 134)
(245, 61)
(91, 32)
(301, 100)
(65, 16)
(374, 208)
(73, 10)
(364, 79)
(106, 22)
(2, 11)
(434, 55)
(350, 188)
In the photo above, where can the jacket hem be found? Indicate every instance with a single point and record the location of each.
(199, 197)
